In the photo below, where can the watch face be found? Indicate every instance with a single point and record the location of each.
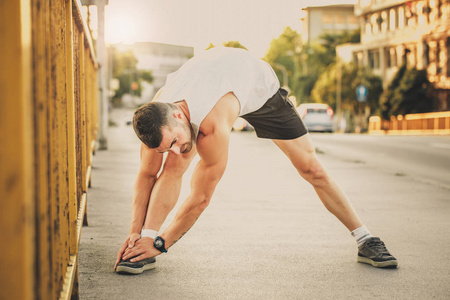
(158, 243)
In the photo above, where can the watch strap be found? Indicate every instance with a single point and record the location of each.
(160, 244)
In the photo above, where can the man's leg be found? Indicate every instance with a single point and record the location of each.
(167, 188)
(302, 155)
(301, 152)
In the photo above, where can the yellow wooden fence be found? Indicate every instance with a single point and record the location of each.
(48, 126)
(412, 124)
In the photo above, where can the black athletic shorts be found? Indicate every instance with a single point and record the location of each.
(277, 119)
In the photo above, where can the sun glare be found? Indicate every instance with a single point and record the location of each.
(120, 28)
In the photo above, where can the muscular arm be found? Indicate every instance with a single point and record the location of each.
(213, 150)
(150, 165)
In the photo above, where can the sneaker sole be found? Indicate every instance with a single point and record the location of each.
(135, 271)
(378, 264)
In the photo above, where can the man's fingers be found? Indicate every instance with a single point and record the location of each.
(140, 257)
(132, 253)
(119, 254)
(133, 239)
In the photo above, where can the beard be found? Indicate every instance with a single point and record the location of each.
(189, 132)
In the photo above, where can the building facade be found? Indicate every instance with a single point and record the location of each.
(413, 32)
(317, 20)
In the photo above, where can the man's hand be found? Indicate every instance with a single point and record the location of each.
(128, 244)
(142, 249)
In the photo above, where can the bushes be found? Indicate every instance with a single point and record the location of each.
(409, 92)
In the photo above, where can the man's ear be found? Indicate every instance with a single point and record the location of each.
(178, 115)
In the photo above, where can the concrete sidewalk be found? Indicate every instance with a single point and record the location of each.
(265, 234)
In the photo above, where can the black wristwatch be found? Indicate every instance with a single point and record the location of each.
(160, 244)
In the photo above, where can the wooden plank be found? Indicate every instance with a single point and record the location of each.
(59, 58)
(69, 278)
(88, 86)
(83, 27)
(83, 129)
(73, 210)
(54, 175)
(16, 153)
(41, 33)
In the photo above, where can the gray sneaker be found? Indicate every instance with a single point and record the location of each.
(137, 267)
(374, 252)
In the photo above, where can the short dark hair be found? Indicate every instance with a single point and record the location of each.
(148, 121)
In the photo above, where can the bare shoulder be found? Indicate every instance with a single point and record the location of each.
(222, 116)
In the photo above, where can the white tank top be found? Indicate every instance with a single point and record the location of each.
(207, 77)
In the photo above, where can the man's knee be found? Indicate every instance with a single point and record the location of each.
(314, 173)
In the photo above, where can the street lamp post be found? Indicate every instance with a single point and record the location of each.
(338, 94)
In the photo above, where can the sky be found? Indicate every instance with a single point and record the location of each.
(196, 23)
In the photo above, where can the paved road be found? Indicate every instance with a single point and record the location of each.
(266, 234)
(423, 158)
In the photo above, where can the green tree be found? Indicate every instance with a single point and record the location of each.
(324, 90)
(231, 44)
(409, 92)
(304, 63)
(130, 78)
(414, 95)
(387, 96)
(318, 56)
(283, 56)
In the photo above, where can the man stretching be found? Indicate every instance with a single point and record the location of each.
(194, 113)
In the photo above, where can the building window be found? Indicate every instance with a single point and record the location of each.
(327, 18)
(426, 54)
(411, 55)
(440, 8)
(373, 21)
(421, 16)
(352, 19)
(384, 21)
(392, 20)
(432, 57)
(448, 56)
(374, 59)
(401, 17)
(368, 27)
(360, 57)
(391, 56)
(388, 58)
(410, 13)
(440, 57)
(433, 10)
(340, 19)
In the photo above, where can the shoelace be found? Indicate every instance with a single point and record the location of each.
(379, 246)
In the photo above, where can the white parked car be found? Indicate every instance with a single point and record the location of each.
(317, 116)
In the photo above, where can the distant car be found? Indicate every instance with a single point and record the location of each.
(242, 125)
(317, 116)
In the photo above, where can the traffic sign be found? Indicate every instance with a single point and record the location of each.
(361, 93)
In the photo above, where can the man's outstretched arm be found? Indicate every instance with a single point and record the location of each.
(213, 150)
(151, 162)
